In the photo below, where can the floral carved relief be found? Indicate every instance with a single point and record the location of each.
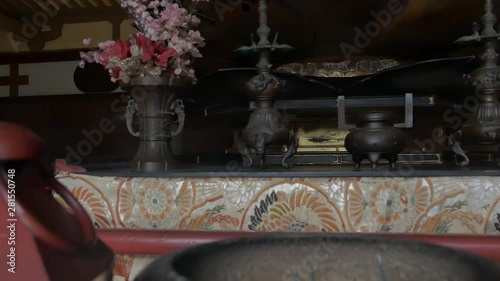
(450, 215)
(92, 197)
(292, 206)
(151, 203)
(492, 225)
(385, 205)
(213, 219)
(96, 207)
(415, 205)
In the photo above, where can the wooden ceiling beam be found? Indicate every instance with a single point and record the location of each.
(94, 3)
(115, 18)
(16, 4)
(80, 3)
(44, 6)
(66, 3)
(29, 4)
(55, 3)
(81, 13)
(107, 3)
(6, 8)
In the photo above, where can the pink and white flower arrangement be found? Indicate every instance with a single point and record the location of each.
(166, 44)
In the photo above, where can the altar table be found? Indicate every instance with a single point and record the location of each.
(430, 205)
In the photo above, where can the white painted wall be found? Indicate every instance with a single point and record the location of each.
(51, 78)
(56, 78)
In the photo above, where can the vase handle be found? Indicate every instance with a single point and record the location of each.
(178, 108)
(129, 117)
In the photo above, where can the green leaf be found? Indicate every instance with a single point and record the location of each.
(457, 206)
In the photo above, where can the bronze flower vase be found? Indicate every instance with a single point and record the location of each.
(156, 102)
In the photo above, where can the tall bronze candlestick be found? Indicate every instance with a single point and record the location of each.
(483, 125)
(266, 125)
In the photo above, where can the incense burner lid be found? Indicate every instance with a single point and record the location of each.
(374, 117)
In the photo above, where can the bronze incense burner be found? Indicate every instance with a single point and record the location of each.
(375, 135)
(375, 138)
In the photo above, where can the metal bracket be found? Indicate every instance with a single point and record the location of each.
(341, 115)
(408, 113)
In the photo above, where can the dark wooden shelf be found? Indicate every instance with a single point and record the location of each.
(325, 103)
(232, 170)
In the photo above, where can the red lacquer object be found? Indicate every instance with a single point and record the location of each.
(46, 240)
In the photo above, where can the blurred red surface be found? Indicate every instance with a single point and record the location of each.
(160, 242)
(28, 263)
(30, 267)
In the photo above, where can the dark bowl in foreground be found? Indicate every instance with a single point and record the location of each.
(320, 258)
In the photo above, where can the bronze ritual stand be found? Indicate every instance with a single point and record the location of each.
(483, 125)
(266, 126)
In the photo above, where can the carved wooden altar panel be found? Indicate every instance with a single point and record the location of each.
(441, 205)
(436, 205)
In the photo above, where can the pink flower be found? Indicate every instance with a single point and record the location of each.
(120, 50)
(97, 57)
(168, 41)
(106, 45)
(87, 41)
(85, 56)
